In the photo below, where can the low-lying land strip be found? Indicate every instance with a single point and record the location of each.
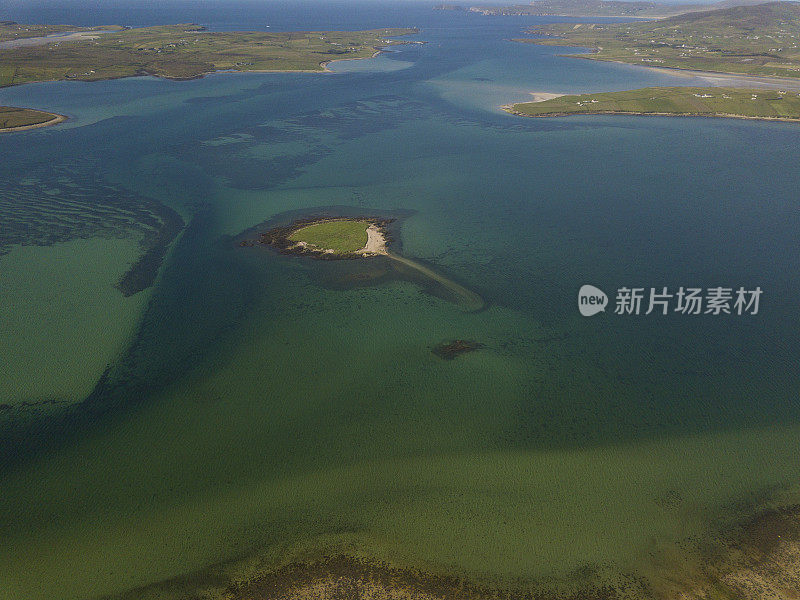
(180, 52)
(762, 40)
(674, 101)
(11, 30)
(601, 8)
(17, 119)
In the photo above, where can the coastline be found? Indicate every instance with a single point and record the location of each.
(323, 67)
(57, 118)
(592, 54)
(681, 72)
(743, 558)
(75, 36)
(777, 82)
(767, 81)
(324, 64)
(717, 79)
(509, 109)
(581, 16)
(611, 17)
(542, 96)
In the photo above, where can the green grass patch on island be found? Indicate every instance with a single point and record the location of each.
(342, 237)
(728, 102)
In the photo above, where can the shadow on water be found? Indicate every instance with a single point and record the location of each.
(201, 295)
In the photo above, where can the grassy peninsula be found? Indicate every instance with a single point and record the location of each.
(177, 52)
(674, 101)
(16, 119)
(761, 40)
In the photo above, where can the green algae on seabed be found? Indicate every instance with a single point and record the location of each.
(62, 321)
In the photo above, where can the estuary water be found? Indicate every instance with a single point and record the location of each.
(255, 409)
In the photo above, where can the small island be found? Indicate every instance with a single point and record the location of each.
(19, 119)
(765, 104)
(331, 238)
(342, 238)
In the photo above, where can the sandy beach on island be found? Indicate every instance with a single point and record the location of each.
(734, 80)
(542, 96)
(324, 64)
(537, 97)
(715, 78)
(376, 242)
(54, 39)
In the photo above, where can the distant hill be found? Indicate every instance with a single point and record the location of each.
(742, 17)
(762, 39)
(606, 8)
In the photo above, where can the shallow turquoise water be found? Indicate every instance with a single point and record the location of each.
(266, 406)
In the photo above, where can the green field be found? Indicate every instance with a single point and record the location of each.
(748, 40)
(12, 118)
(184, 51)
(343, 237)
(711, 102)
